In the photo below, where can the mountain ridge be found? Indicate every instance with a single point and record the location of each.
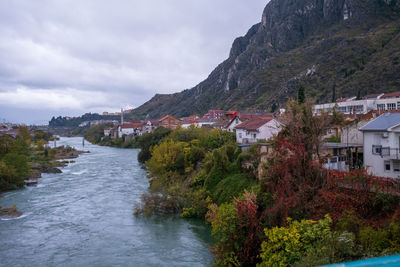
(330, 47)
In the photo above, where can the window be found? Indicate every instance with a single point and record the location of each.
(255, 136)
(381, 106)
(391, 106)
(398, 105)
(396, 165)
(376, 150)
(357, 109)
(240, 135)
(387, 165)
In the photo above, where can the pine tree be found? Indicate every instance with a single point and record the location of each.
(300, 95)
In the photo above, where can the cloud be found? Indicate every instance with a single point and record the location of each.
(99, 53)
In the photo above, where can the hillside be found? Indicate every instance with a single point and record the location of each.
(333, 48)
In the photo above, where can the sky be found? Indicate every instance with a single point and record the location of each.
(64, 57)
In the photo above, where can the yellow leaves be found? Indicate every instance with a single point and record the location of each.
(285, 245)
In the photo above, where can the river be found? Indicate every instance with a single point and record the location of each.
(84, 217)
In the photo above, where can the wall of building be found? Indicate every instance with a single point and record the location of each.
(266, 131)
(375, 163)
(351, 134)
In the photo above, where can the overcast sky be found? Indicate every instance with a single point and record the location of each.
(64, 57)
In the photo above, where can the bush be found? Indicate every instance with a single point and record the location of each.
(287, 245)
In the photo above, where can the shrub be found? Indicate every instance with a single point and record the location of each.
(286, 245)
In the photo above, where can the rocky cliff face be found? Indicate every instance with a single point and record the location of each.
(319, 43)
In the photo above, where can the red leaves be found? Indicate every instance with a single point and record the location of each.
(298, 182)
(250, 228)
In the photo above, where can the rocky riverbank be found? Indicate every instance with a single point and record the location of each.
(58, 159)
(10, 212)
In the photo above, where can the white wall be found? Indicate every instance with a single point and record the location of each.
(375, 164)
(266, 131)
(351, 134)
(233, 124)
(126, 131)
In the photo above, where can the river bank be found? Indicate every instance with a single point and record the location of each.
(84, 217)
(61, 156)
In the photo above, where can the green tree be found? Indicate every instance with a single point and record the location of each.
(301, 95)
(23, 132)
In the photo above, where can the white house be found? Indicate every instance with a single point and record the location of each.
(351, 105)
(126, 129)
(381, 145)
(107, 131)
(233, 123)
(259, 128)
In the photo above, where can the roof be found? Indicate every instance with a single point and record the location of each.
(244, 117)
(391, 95)
(340, 145)
(345, 99)
(206, 120)
(372, 96)
(383, 122)
(253, 124)
(131, 125)
(168, 116)
(189, 120)
(222, 123)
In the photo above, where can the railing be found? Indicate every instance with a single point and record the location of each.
(248, 140)
(393, 153)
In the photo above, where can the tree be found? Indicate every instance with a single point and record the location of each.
(334, 92)
(23, 132)
(300, 95)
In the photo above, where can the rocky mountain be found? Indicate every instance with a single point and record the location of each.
(334, 48)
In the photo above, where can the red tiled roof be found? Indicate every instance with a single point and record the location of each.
(222, 123)
(391, 95)
(168, 116)
(131, 125)
(245, 117)
(253, 124)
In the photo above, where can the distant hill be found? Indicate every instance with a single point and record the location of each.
(333, 48)
(74, 122)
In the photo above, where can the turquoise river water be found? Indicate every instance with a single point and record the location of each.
(84, 217)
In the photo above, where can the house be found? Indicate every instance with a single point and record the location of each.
(351, 133)
(242, 117)
(169, 122)
(214, 114)
(341, 156)
(150, 126)
(13, 133)
(381, 145)
(126, 129)
(205, 122)
(352, 105)
(259, 128)
(107, 131)
(221, 123)
(189, 121)
(132, 128)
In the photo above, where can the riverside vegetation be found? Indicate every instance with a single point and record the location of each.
(26, 157)
(283, 211)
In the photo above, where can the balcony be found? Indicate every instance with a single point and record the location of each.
(386, 152)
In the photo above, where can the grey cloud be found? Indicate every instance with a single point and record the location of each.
(127, 50)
